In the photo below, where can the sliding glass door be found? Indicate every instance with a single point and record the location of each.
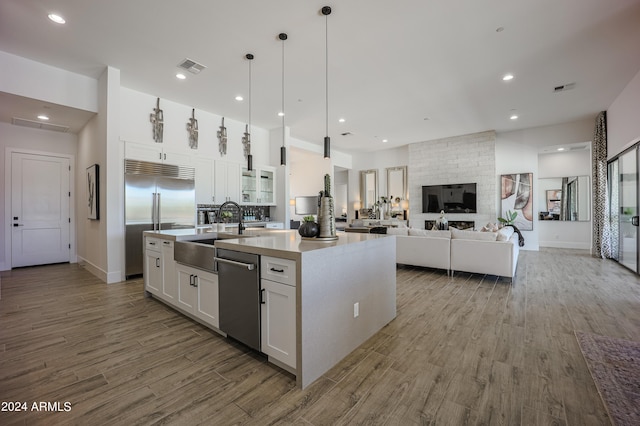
(624, 174)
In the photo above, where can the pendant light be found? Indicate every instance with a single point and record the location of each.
(246, 138)
(326, 11)
(283, 149)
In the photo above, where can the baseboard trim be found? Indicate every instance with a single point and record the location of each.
(95, 270)
(565, 244)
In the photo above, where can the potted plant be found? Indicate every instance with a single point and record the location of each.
(226, 216)
(509, 220)
(309, 228)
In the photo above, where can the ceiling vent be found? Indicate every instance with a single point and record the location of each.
(564, 87)
(346, 134)
(192, 66)
(39, 125)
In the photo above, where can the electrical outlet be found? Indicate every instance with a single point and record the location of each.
(356, 309)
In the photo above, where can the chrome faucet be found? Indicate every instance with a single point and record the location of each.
(233, 203)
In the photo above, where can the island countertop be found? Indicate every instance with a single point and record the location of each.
(270, 242)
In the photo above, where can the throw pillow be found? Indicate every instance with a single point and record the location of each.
(473, 235)
(489, 227)
(505, 233)
(426, 233)
(397, 231)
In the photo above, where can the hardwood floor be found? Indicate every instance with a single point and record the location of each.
(464, 350)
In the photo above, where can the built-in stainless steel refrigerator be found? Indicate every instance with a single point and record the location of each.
(157, 197)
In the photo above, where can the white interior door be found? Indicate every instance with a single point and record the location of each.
(40, 209)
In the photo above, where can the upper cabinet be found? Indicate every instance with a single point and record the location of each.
(156, 153)
(258, 186)
(226, 182)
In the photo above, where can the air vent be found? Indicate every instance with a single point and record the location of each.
(192, 66)
(39, 125)
(346, 134)
(564, 87)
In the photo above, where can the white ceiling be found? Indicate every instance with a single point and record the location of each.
(406, 71)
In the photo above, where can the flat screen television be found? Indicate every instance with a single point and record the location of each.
(307, 205)
(452, 198)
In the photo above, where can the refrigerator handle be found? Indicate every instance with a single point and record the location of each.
(158, 208)
(153, 210)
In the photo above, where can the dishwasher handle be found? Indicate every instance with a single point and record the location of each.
(249, 266)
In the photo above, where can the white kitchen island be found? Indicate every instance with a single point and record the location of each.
(344, 292)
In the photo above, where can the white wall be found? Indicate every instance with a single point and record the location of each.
(24, 77)
(623, 119)
(33, 140)
(517, 152)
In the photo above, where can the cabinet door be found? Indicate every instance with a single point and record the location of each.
(233, 182)
(204, 180)
(279, 322)
(187, 291)
(267, 184)
(249, 187)
(144, 152)
(153, 271)
(169, 279)
(207, 307)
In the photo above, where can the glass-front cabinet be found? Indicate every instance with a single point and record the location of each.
(258, 186)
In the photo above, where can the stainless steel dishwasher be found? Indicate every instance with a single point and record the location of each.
(239, 295)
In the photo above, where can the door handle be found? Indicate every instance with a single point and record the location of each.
(157, 262)
(262, 302)
(249, 266)
(277, 270)
(635, 220)
(18, 224)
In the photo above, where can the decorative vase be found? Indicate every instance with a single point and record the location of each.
(442, 223)
(326, 218)
(309, 229)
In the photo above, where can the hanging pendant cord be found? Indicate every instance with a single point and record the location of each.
(282, 92)
(249, 96)
(326, 73)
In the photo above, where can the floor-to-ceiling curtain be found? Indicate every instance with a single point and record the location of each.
(601, 220)
(564, 201)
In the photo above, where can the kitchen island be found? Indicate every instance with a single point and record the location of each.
(335, 295)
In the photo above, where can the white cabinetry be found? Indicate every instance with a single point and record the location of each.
(226, 182)
(156, 153)
(204, 179)
(258, 185)
(198, 293)
(153, 266)
(169, 283)
(278, 313)
(159, 268)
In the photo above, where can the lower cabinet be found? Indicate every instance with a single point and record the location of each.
(169, 283)
(153, 272)
(198, 293)
(278, 321)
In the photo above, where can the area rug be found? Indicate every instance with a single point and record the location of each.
(615, 367)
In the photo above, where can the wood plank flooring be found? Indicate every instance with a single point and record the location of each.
(468, 349)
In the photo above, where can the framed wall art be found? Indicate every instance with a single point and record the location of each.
(93, 192)
(517, 196)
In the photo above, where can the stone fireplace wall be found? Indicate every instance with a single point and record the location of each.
(461, 159)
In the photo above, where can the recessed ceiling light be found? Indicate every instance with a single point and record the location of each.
(507, 77)
(56, 18)
(499, 29)
(341, 120)
(281, 114)
(181, 76)
(43, 117)
(560, 149)
(514, 116)
(239, 98)
(385, 140)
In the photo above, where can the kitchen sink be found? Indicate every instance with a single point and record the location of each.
(199, 254)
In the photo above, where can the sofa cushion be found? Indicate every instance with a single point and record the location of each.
(397, 231)
(473, 235)
(415, 232)
(505, 233)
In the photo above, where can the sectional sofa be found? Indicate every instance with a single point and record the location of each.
(493, 253)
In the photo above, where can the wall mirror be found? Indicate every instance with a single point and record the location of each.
(397, 182)
(565, 198)
(368, 188)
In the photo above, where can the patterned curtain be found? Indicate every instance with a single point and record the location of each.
(601, 215)
(564, 201)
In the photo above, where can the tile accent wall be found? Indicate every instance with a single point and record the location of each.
(461, 159)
